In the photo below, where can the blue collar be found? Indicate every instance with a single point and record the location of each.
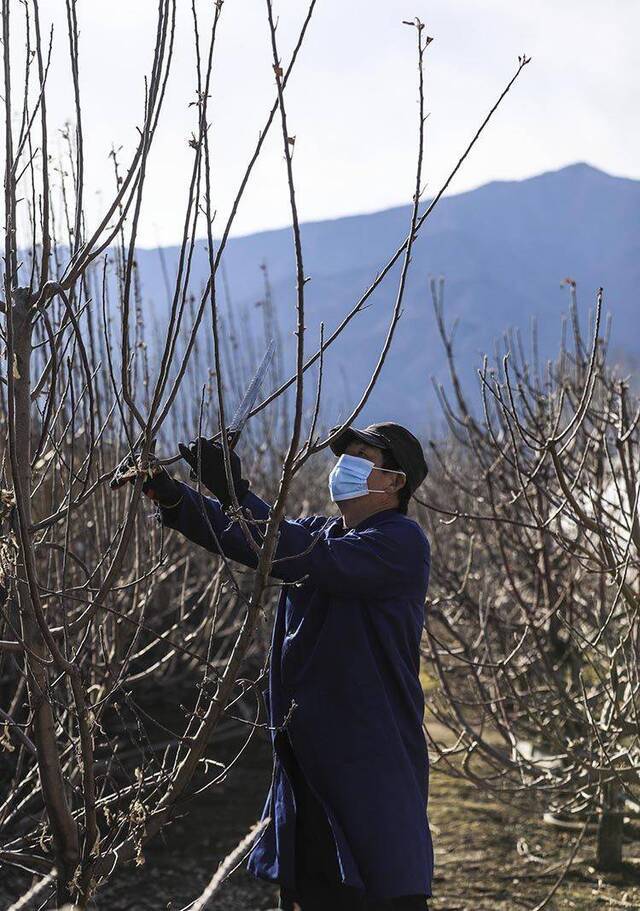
(370, 522)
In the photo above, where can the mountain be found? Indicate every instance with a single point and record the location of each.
(503, 250)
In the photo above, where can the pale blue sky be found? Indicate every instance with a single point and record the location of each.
(352, 99)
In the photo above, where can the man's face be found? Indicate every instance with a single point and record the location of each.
(377, 480)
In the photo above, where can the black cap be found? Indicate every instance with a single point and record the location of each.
(393, 438)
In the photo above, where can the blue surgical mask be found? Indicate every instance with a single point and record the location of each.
(348, 477)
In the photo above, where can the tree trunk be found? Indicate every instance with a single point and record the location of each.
(62, 826)
(610, 826)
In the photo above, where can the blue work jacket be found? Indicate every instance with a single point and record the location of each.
(346, 651)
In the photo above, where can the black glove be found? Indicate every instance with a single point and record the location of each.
(212, 471)
(158, 484)
(162, 488)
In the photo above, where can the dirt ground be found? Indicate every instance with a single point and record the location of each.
(488, 857)
(495, 858)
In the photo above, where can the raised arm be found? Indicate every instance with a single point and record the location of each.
(202, 520)
(372, 562)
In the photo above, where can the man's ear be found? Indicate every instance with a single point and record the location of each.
(400, 481)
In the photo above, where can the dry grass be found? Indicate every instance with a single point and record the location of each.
(494, 857)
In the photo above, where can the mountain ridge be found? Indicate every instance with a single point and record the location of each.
(504, 249)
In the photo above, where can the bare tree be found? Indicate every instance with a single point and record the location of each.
(533, 625)
(95, 604)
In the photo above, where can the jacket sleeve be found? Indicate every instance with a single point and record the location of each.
(369, 562)
(373, 562)
(202, 520)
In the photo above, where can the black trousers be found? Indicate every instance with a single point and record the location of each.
(318, 883)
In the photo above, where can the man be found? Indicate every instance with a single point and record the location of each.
(349, 826)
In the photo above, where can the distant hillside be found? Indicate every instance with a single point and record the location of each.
(503, 250)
